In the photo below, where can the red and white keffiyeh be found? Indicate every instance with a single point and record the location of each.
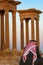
(30, 47)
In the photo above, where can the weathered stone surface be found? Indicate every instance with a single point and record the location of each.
(10, 57)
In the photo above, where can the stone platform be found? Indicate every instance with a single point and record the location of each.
(10, 57)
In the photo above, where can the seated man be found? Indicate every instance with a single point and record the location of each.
(29, 54)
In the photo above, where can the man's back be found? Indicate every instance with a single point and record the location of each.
(28, 61)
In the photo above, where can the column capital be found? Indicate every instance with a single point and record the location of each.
(37, 19)
(13, 12)
(2, 14)
(21, 19)
(26, 20)
(6, 11)
(32, 19)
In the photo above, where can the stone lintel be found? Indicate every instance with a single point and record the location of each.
(30, 10)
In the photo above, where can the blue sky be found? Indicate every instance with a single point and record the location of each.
(26, 4)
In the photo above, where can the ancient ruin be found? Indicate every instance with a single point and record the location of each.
(12, 57)
(7, 6)
(29, 14)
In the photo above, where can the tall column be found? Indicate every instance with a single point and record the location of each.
(37, 31)
(32, 29)
(14, 28)
(27, 32)
(6, 29)
(2, 31)
(22, 34)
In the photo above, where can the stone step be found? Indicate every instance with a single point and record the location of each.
(13, 60)
(8, 62)
(10, 57)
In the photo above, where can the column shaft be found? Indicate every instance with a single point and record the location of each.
(22, 34)
(2, 31)
(7, 29)
(27, 32)
(37, 31)
(0, 28)
(32, 29)
(14, 29)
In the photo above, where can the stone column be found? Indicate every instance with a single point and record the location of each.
(6, 29)
(2, 31)
(22, 34)
(32, 29)
(14, 29)
(27, 32)
(37, 32)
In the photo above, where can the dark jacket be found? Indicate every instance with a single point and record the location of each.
(30, 58)
(28, 61)
(38, 53)
(39, 59)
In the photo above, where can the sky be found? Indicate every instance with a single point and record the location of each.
(26, 4)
